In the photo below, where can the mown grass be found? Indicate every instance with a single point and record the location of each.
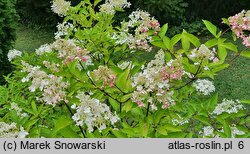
(29, 39)
(232, 83)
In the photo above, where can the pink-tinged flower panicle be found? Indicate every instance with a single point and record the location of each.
(240, 24)
(51, 86)
(106, 75)
(141, 23)
(153, 84)
(68, 51)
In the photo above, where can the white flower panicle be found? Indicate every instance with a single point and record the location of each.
(141, 23)
(235, 131)
(179, 121)
(208, 131)
(110, 5)
(204, 86)
(51, 66)
(60, 7)
(53, 87)
(11, 131)
(46, 48)
(203, 52)
(12, 54)
(18, 110)
(69, 51)
(228, 106)
(63, 29)
(123, 65)
(155, 80)
(93, 113)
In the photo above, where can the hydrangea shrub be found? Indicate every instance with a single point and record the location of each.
(91, 83)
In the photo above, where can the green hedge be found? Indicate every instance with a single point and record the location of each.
(8, 24)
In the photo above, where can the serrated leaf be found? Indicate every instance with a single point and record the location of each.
(222, 53)
(245, 101)
(115, 105)
(97, 2)
(227, 129)
(194, 40)
(61, 123)
(203, 119)
(119, 134)
(68, 132)
(162, 130)
(159, 44)
(175, 39)
(211, 27)
(230, 46)
(127, 106)
(211, 43)
(171, 128)
(167, 42)
(185, 41)
(163, 30)
(176, 135)
(245, 54)
(212, 102)
(158, 115)
(220, 67)
(123, 81)
(33, 106)
(225, 20)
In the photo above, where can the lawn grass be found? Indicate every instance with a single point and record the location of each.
(29, 39)
(232, 83)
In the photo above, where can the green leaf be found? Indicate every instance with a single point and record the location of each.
(167, 42)
(203, 119)
(158, 115)
(34, 108)
(230, 46)
(245, 54)
(220, 67)
(211, 27)
(212, 102)
(185, 41)
(97, 2)
(68, 132)
(115, 105)
(119, 134)
(163, 30)
(123, 81)
(125, 98)
(227, 129)
(144, 129)
(61, 123)
(30, 123)
(162, 130)
(225, 20)
(159, 44)
(222, 53)
(193, 39)
(175, 39)
(171, 128)
(211, 43)
(128, 106)
(176, 135)
(245, 101)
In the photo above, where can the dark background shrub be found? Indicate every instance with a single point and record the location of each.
(38, 13)
(180, 14)
(8, 23)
